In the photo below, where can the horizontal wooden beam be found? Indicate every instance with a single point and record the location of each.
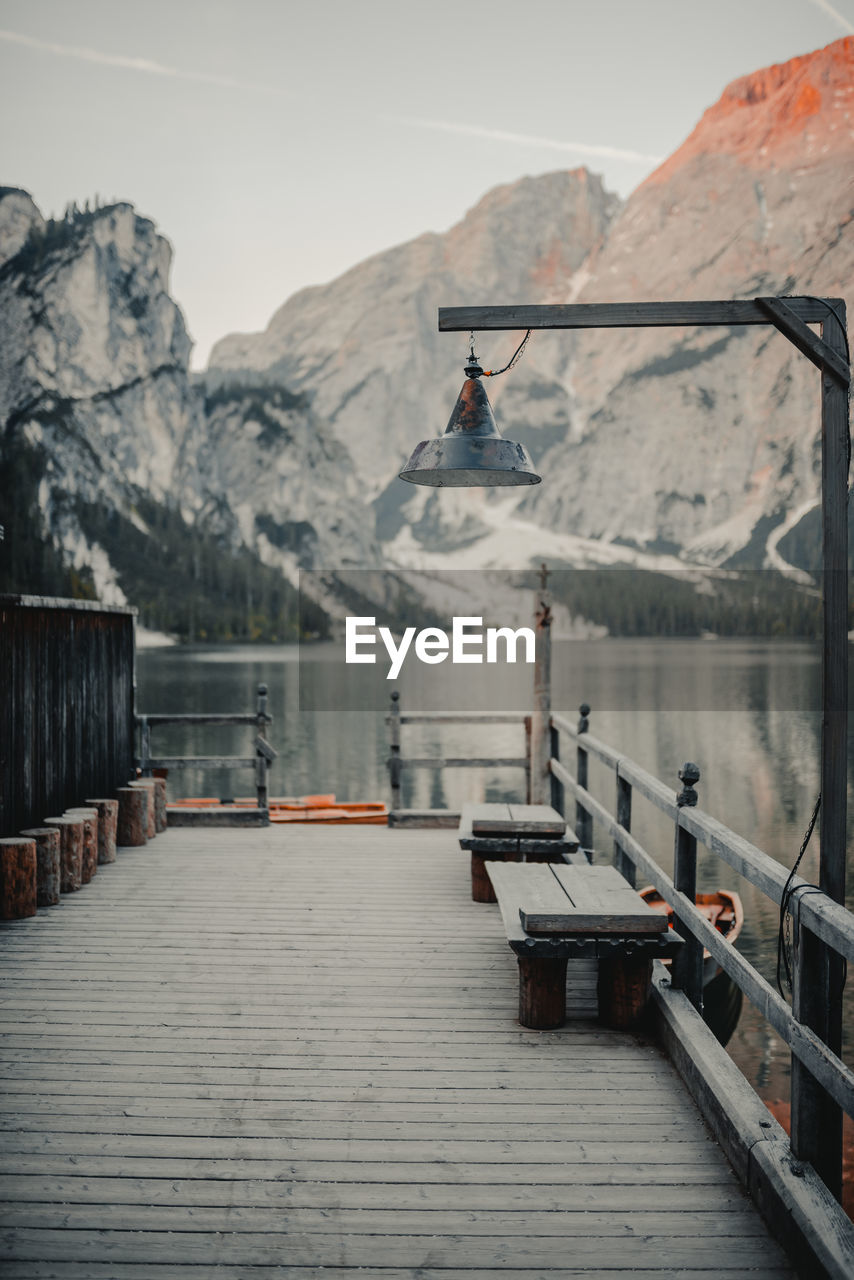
(196, 762)
(203, 718)
(14, 600)
(624, 315)
(441, 819)
(469, 717)
(463, 762)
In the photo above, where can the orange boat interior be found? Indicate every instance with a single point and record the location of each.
(315, 808)
(723, 909)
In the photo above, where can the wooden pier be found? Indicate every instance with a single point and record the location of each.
(295, 1053)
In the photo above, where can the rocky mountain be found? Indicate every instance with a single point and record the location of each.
(698, 445)
(704, 442)
(120, 476)
(267, 472)
(367, 350)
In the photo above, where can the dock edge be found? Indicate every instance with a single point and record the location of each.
(797, 1207)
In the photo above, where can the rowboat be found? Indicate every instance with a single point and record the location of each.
(333, 812)
(322, 809)
(722, 999)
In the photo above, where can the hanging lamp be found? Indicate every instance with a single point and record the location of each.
(472, 452)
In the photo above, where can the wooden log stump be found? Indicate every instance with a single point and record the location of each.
(542, 992)
(18, 878)
(108, 812)
(148, 786)
(89, 818)
(47, 840)
(622, 989)
(160, 820)
(70, 852)
(132, 822)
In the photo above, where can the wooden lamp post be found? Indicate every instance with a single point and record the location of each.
(816, 1119)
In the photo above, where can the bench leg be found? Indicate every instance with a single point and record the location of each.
(481, 885)
(542, 993)
(623, 990)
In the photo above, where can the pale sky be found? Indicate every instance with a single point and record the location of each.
(278, 142)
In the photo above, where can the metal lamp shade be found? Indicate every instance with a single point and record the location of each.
(472, 451)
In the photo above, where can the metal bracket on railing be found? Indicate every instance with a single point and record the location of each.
(264, 749)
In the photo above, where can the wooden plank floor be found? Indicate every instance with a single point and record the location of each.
(294, 1052)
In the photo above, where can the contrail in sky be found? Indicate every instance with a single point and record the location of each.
(530, 140)
(844, 23)
(146, 67)
(136, 64)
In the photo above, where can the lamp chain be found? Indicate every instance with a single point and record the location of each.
(493, 373)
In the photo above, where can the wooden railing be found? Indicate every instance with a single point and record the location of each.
(823, 929)
(397, 762)
(260, 761)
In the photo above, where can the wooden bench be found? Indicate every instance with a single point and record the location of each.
(510, 833)
(555, 913)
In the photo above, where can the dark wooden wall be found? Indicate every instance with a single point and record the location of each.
(66, 706)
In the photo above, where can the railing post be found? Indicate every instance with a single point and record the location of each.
(558, 791)
(394, 748)
(687, 972)
(145, 746)
(528, 761)
(816, 1118)
(583, 819)
(542, 694)
(819, 973)
(622, 861)
(260, 758)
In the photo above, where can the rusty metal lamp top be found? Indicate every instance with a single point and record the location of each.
(472, 452)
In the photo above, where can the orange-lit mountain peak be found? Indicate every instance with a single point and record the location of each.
(799, 111)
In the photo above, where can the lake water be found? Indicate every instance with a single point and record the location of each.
(746, 712)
